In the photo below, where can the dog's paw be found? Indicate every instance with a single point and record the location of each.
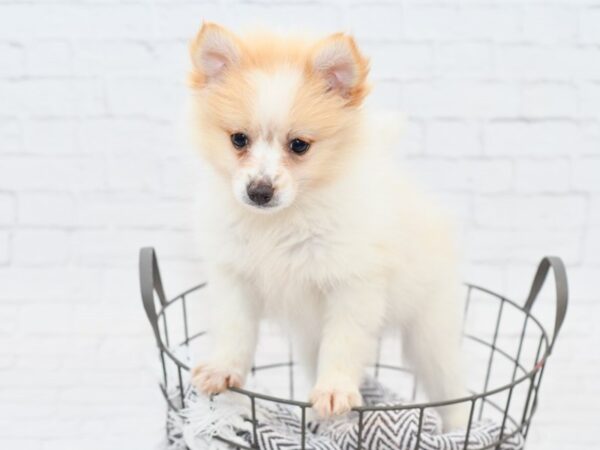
(213, 379)
(334, 400)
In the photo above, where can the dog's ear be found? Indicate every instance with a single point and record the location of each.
(213, 52)
(337, 60)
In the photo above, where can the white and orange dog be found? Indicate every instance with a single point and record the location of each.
(309, 222)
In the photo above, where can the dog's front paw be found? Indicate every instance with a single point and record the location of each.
(332, 400)
(213, 378)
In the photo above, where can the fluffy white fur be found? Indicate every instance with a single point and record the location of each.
(336, 265)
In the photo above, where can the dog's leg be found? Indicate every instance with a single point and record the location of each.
(431, 342)
(353, 320)
(306, 349)
(234, 326)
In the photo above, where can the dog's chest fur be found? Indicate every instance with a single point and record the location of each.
(296, 252)
(301, 256)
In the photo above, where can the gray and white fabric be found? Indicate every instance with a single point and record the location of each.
(279, 426)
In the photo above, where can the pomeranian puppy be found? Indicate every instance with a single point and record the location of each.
(307, 221)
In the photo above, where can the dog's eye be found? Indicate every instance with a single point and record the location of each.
(298, 146)
(239, 140)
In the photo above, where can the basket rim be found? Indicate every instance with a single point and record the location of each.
(526, 374)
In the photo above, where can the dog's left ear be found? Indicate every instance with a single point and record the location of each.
(339, 62)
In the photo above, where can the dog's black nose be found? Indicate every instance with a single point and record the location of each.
(260, 192)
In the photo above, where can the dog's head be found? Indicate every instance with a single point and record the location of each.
(276, 116)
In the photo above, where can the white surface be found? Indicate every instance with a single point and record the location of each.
(503, 101)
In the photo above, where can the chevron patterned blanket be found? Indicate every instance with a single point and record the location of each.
(279, 426)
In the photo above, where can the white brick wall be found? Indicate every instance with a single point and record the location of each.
(503, 102)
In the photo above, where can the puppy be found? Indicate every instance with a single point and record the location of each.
(307, 221)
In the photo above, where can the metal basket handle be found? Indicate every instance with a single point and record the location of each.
(562, 290)
(150, 282)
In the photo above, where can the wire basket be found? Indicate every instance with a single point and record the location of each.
(509, 348)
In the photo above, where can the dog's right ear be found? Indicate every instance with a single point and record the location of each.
(213, 52)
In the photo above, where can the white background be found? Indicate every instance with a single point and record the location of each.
(503, 105)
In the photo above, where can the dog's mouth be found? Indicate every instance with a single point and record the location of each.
(271, 207)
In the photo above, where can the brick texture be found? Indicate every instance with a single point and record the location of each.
(502, 100)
